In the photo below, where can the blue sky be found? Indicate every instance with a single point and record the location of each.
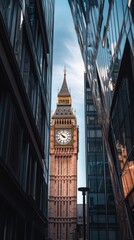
(67, 53)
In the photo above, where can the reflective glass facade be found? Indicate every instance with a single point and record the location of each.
(102, 220)
(105, 31)
(26, 48)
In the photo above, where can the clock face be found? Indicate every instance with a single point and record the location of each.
(63, 136)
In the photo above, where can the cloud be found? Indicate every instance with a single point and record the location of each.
(63, 31)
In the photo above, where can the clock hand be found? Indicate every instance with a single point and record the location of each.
(63, 136)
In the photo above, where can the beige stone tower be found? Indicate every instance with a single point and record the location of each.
(63, 169)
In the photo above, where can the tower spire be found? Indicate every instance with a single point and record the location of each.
(64, 88)
(64, 104)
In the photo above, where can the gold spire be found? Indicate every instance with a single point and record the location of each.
(64, 96)
(64, 104)
(64, 88)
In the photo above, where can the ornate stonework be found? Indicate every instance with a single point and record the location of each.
(63, 169)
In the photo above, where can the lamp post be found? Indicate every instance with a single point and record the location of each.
(84, 190)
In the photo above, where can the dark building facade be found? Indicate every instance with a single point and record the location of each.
(26, 47)
(105, 31)
(101, 216)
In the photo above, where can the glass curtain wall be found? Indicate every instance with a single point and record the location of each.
(105, 31)
(102, 220)
(26, 48)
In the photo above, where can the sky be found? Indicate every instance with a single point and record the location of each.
(66, 52)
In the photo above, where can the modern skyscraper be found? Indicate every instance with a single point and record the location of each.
(101, 216)
(63, 168)
(26, 47)
(105, 31)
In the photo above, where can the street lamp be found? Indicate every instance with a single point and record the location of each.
(84, 190)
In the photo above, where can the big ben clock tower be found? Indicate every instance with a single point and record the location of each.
(63, 169)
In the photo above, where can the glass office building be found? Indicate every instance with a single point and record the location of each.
(105, 31)
(102, 220)
(26, 49)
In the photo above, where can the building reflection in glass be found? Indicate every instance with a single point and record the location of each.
(105, 31)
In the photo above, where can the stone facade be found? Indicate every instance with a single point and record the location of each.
(63, 169)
